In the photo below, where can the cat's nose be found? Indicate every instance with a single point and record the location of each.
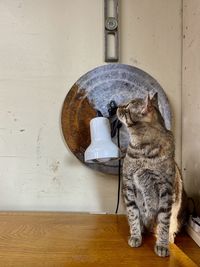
(120, 112)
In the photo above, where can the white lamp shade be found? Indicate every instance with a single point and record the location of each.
(102, 148)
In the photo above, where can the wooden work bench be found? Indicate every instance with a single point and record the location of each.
(79, 239)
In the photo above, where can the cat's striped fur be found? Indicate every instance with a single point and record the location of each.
(152, 186)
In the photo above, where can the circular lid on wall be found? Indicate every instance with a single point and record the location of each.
(94, 91)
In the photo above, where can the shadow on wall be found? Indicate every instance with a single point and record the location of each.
(196, 198)
(192, 187)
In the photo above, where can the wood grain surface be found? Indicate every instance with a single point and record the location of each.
(64, 239)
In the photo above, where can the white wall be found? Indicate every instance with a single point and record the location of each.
(191, 98)
(45, 47)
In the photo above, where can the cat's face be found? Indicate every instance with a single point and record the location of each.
(137, 110)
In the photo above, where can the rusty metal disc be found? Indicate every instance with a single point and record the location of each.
(94, 91)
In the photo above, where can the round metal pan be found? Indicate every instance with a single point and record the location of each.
(94, 91)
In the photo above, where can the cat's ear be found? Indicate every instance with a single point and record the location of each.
(154, 99)
(148, 105)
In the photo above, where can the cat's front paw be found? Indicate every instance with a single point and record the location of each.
(162, 251)
(134, 242)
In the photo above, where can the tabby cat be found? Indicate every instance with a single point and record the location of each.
(152, 185)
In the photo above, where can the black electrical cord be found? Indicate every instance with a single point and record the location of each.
(115, 129)
(119, 172)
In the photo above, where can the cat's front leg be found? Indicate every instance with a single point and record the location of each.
(135, 239)
(163, 223)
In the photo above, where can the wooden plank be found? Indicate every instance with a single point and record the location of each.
(63, 239)
(188, 246)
